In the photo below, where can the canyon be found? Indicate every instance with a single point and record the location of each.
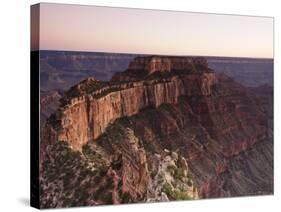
(166, 128)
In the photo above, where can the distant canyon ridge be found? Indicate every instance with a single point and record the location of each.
(59, 70)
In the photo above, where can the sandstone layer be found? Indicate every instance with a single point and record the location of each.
(86, 116)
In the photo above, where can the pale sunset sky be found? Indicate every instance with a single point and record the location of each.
(121, 30)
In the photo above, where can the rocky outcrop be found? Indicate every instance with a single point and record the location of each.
(162, 64)
(142, 67)
(49, 103)
(226, 139)
(86, 116)
(170, 179)
(114, 169)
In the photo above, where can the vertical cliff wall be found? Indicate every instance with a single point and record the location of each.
(87, 117)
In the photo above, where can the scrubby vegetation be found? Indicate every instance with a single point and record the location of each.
(174, 194)
(160, 75)
(69, 177)
(126, 197)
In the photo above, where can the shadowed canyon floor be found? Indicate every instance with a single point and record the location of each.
(167, 128)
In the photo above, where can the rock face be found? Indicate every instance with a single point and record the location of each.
(165, 64)
(114, 169)
(142, 67)
(170, 180)
(160, 131)
(49, 103)
(86, 117)
(225, 138)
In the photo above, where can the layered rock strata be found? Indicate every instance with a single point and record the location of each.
(86, 117)
(141, 67)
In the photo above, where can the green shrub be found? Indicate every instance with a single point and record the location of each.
(174, 194)
(167, 188)
(106, 197)
(172, 169)
(178, 173)
(179, 195)
(160, 179)
(126, 197)
(153, 174)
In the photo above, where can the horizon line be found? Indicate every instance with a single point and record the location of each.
(148, 54)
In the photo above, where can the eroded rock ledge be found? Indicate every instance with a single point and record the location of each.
(91, 106)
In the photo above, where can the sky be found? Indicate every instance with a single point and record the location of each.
(122, 30)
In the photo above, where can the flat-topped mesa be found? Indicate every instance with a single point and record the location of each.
(141, 67)
(90, 106)
(151, 64)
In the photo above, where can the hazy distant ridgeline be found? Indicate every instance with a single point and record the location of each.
(249, 72)
(59, 70)
(63, 69)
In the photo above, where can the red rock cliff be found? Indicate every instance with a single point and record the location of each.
(86, 116)
(141, 67)
(163, 63)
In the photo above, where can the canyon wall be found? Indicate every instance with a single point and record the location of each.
(143, 67)
(86, 117)
(162, 63)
